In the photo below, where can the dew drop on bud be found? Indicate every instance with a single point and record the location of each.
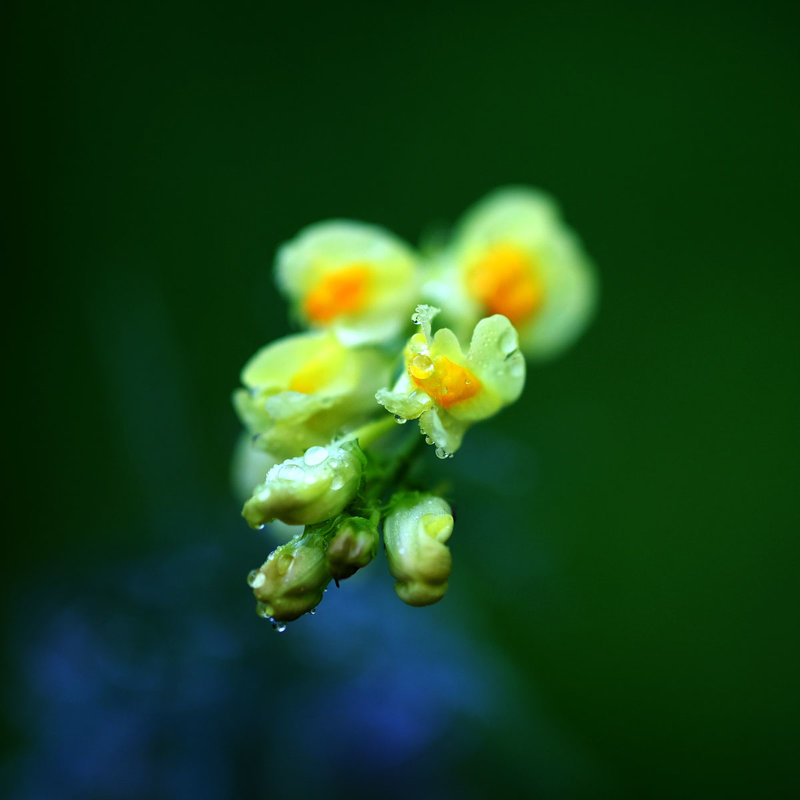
(255, 579)
(315, 455)
(441, 453)
(291, 472)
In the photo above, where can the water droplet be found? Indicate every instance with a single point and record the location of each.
(337, 483)
(261, 610)
(280, 627)
(261, 527)
(400, 420)
(255, 579)
(315, 455)
(421, 367)
(428, 440)
(441, 453)
(313, 611)
(291, 472)
(508, 341)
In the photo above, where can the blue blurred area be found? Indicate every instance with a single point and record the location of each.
(153, 679)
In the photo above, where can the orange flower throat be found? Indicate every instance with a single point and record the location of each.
(506, 281)
(341, 291)
(443, 380)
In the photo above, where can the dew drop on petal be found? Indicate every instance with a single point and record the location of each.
(400, 420)
(280, 627)
(337, 483)
(421, 367)
(508, 341)
(315, 455)
(428, 440)
(441, 453)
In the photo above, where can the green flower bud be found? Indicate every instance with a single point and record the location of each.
(354, 546)
(293, 579)
(308, 489)
(415, 533)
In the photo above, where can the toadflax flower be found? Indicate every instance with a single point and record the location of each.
(415, 533)
(448, 390)
(303, 389)
(356, 279)
(309, 489)
(513, 255)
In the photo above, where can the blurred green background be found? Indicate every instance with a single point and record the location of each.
(622, 619)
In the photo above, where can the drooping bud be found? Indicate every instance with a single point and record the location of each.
(354, 546)
(415, 533)
(293, 579)
(308, 489)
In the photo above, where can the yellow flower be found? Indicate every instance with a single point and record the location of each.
(447, 390)
(356, 279)
(513, 255)
(304, 389)
(415, 533)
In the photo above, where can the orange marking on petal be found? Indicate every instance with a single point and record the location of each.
(444, 381)
(340, 291)
(506, 281)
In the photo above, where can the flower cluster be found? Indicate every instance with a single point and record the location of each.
(319, 452)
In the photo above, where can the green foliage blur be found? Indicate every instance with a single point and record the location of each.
(626, 535)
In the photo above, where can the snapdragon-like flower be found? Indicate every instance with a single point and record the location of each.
(415, 533)
(448, 390)
(309, 489)
(303, 389)
(358, 280)
(513, 255)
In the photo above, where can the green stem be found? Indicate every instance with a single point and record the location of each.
(368, 433)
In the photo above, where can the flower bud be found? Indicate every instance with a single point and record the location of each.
(415, 533)
(292, 580)
(354, 546)
(307, 489)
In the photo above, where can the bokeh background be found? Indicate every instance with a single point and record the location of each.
(622, 618)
